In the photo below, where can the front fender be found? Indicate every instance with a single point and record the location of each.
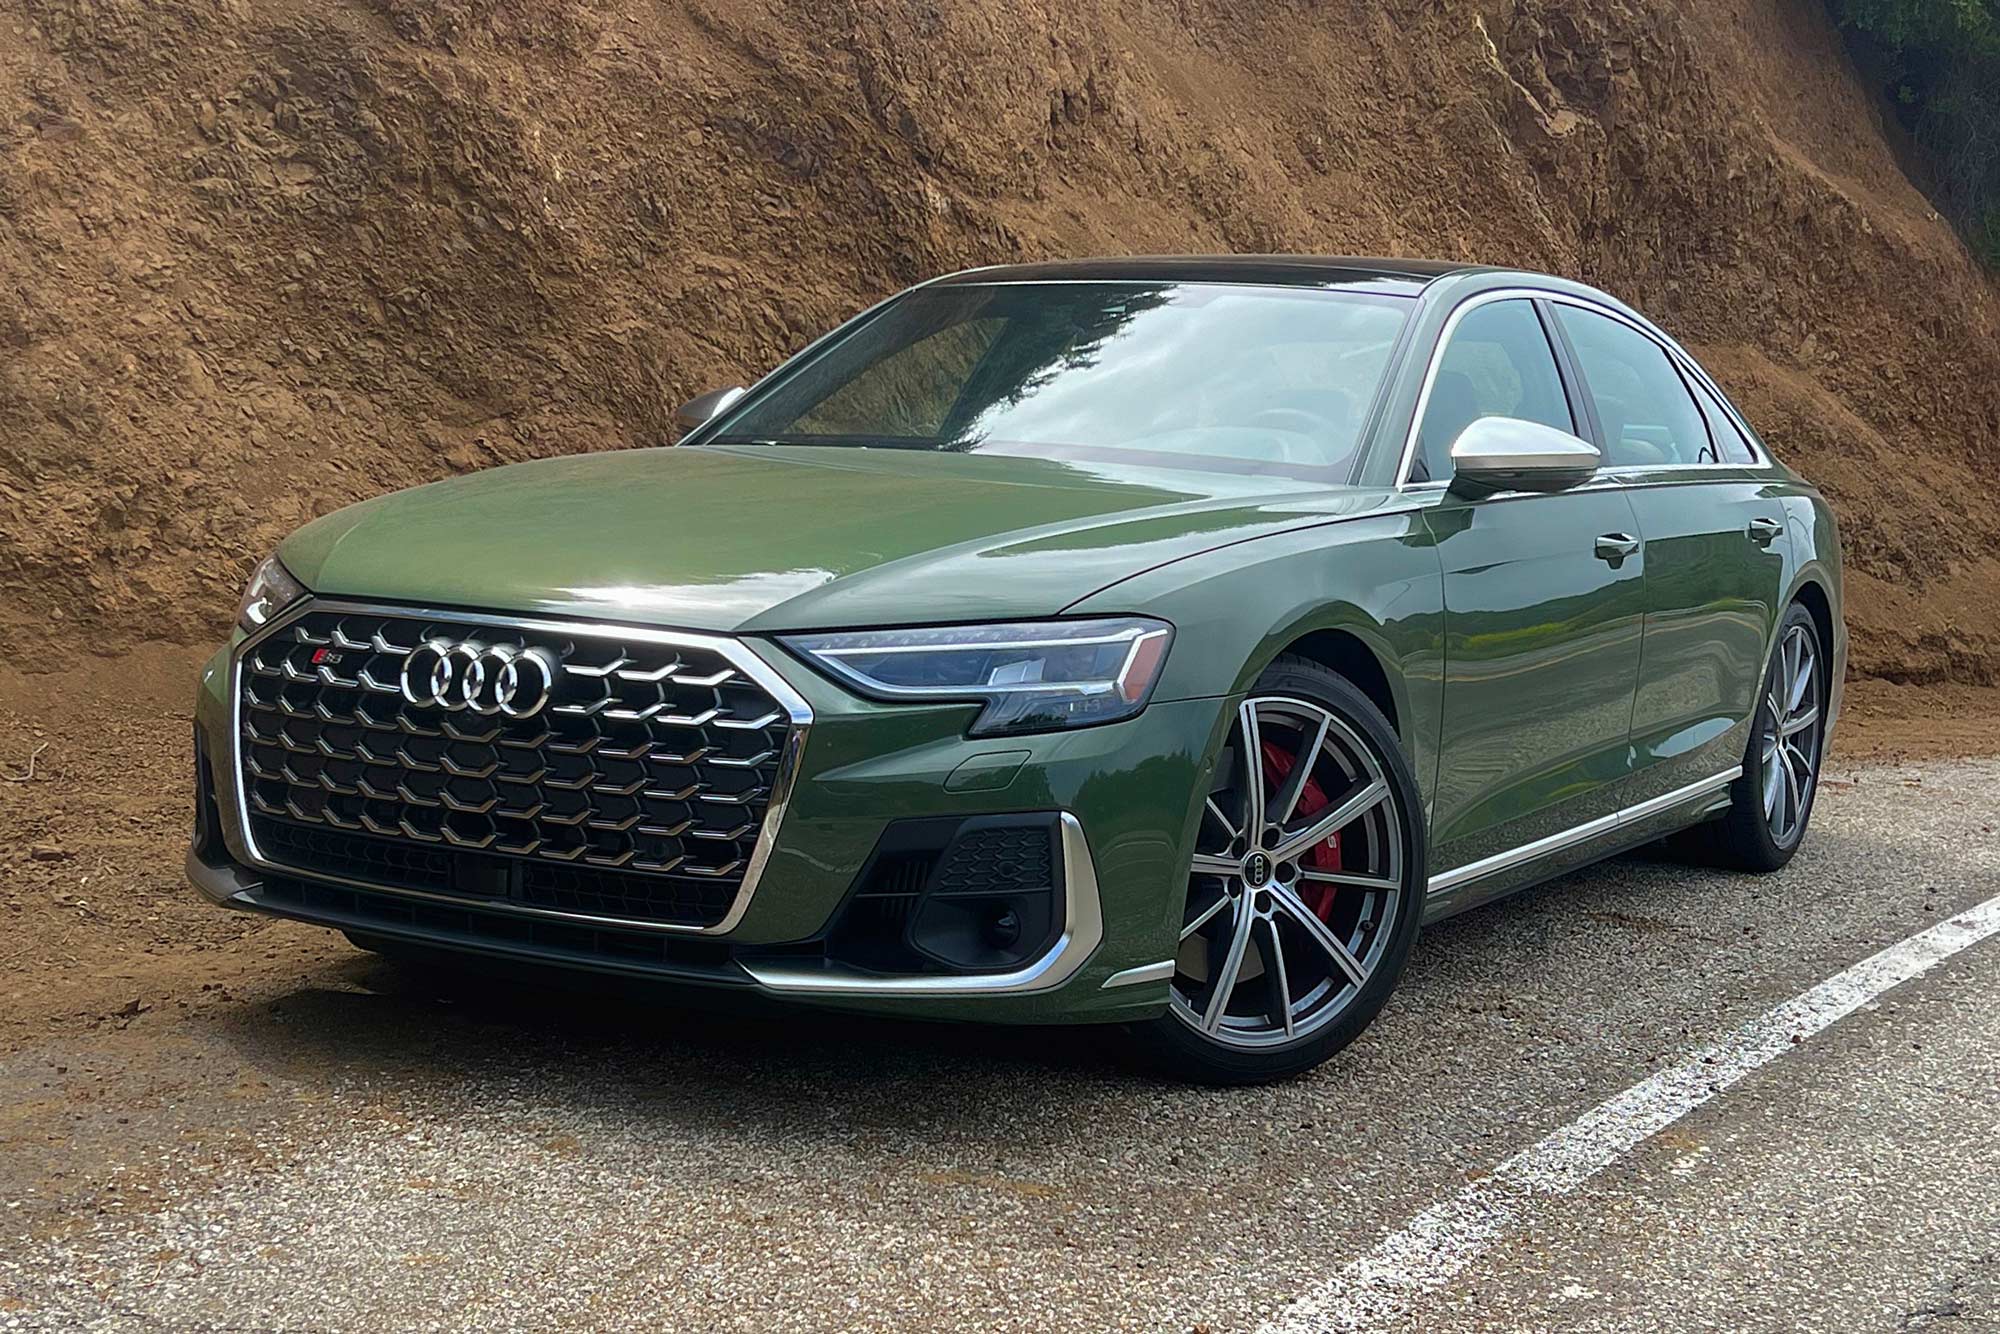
(1236, 608)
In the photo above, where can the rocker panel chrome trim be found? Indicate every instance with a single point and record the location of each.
(1542, 847)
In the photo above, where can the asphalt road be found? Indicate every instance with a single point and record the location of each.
(358, 1148)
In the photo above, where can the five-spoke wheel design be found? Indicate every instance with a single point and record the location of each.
(1297, 878)
(1789, 747)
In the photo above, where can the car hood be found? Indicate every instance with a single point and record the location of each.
(757, 538)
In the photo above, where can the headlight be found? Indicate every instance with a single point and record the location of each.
(271, 590)
(1034, 676)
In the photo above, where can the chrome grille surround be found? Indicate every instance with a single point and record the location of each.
(734, 676)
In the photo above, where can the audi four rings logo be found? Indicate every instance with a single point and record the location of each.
(456, 675)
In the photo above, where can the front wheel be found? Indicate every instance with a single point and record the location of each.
(1306, 886)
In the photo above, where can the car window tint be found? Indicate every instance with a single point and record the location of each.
(1497, 364)
(1643, 406)
(1731, 445)
(909, 392)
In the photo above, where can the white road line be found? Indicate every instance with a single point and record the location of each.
(1376, 1290)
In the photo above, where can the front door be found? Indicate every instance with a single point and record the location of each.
(1542, 637)
(1543, 611)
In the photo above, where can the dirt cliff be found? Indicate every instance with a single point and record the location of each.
(259, 260)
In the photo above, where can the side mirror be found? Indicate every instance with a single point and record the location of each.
(1508, 454)
(706, 407)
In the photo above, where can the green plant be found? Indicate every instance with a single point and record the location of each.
(1986, 238)
(1905, 25)
(1942, 60)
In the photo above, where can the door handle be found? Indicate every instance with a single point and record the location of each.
(1765, 531)
(1615, 547)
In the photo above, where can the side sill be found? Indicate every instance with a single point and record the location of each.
(1448, 881)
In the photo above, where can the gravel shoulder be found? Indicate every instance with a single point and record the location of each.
(307, 1138)
(1851, 1186)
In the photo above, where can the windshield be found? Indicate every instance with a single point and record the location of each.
(1252, 380)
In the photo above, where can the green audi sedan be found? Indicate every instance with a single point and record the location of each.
(1153, 642)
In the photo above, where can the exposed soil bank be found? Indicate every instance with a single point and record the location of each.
(257, 261)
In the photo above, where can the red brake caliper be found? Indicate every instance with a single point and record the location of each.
(1323, 856)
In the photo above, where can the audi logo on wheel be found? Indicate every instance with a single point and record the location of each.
(456, 675)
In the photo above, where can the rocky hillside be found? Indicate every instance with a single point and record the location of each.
(261, 259)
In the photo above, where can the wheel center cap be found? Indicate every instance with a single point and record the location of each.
(1257, 868)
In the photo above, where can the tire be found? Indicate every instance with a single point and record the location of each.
(1291, 1000)
(1751, 835)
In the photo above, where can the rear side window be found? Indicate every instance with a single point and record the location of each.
(1731, 445)
(1648, 417)
(1498, 364)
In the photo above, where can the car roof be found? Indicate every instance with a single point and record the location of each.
(1284, 270)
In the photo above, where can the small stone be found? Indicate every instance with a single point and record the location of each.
(48, 852)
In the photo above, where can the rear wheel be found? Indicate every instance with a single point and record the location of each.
(1772, 800)
(1305, 889)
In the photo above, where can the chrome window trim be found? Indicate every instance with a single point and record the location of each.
(1628, 476)
(1446, 881)
(1676, 355)
(1083, 929)
(733, 651)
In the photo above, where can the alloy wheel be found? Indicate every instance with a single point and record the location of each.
(1791, 741)
(1296, 880)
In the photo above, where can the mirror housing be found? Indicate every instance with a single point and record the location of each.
(704, 408)
(1509, 454)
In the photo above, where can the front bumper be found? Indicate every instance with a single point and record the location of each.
(1126, 794)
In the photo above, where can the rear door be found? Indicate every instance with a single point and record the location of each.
(1542, 609)
(1715, 548)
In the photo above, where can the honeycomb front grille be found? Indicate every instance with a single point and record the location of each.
(639, 788)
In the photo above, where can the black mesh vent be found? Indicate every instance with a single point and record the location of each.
(998, 860)
(639, 790)
(934, 895)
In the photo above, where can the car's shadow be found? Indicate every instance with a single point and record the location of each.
(364, 1020)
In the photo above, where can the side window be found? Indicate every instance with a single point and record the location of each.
(1642, 404)
(1731, 445)
(909, 393)
(1498, 364)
